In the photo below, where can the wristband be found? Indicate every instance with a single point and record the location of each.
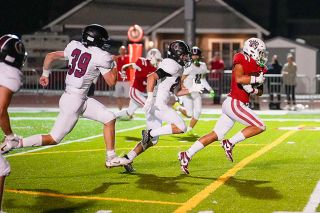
(252, 80)
(46, 73)
(150, 95)
(255, 91)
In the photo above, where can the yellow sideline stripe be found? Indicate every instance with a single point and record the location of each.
(48, 194)
(199, 197)
(128, 148)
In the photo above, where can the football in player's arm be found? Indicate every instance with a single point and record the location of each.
(247, 74)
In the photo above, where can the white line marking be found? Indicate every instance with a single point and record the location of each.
(312, 204)
(72, 141)
(314, 200)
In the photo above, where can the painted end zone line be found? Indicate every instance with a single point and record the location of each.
(48, 194)
(198, 198)
(72, 141)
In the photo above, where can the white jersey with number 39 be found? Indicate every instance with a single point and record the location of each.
(85, 64)
(168, 84)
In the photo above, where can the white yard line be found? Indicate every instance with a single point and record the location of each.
(314, 200)
(312, 204)
(72, 141)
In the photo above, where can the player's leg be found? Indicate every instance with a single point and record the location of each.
(175, 124)
(117, 94)
(243, 114)
(4, 172)
(223, 125)
(197, 107)
(152, 123)
(94, 110)
(69, 110)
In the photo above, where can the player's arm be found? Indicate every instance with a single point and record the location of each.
(111, 77)
(241, 78)
(182, 81)
(50, 57)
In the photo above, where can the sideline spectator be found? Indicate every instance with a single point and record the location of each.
(216, 76)
(289, 72)
(121, 90)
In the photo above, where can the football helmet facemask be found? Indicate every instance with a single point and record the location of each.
(95, 35)
(180, 52)
(154, 56)
(12, 51)
(256, 49)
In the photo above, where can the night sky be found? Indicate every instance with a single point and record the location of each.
(288, 18)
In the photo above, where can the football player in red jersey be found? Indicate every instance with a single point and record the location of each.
(138, 92)
(247, 79)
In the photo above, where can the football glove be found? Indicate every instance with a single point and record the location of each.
(211, 94)
(149, 102)
(136, 67)
(257, 80)
(196, 88)
(249, 89)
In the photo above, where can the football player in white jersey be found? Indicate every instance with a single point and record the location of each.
(156, 106)
(12, 57)
(87, 59)
(143, 67)
(192, 103)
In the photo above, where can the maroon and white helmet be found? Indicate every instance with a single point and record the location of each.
(256, 49)
(154, 56)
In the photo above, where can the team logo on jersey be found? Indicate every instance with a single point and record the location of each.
(19, 47)
(254, 44)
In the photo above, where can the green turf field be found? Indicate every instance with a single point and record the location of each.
(275, 171)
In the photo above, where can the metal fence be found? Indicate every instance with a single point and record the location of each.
(220, 83)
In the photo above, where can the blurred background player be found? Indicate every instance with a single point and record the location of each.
(121, 89)
(87, 59)
(156, 106)
(12, 58)
(247, 79)
(217, 67)
(195, 73)
(138, 91)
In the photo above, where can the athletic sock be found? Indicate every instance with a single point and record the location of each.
(196, 147)
(237, 138)
(110, 154)
(131, 155)
(34, 140)
(164, 130)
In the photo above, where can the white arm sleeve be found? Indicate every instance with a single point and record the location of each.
(205, 84)
(105, 63)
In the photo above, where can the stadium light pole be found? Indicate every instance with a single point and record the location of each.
(189, 17)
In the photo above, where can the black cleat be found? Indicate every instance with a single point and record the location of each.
(128, 167)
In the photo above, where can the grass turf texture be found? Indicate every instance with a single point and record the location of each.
(72, 177)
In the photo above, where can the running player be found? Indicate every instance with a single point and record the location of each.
(192, 103)
(247, 79)
(87, 59)
(143, 67)
(156, 106)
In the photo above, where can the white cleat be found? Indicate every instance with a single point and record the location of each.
(10, 142)
(117, 161)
